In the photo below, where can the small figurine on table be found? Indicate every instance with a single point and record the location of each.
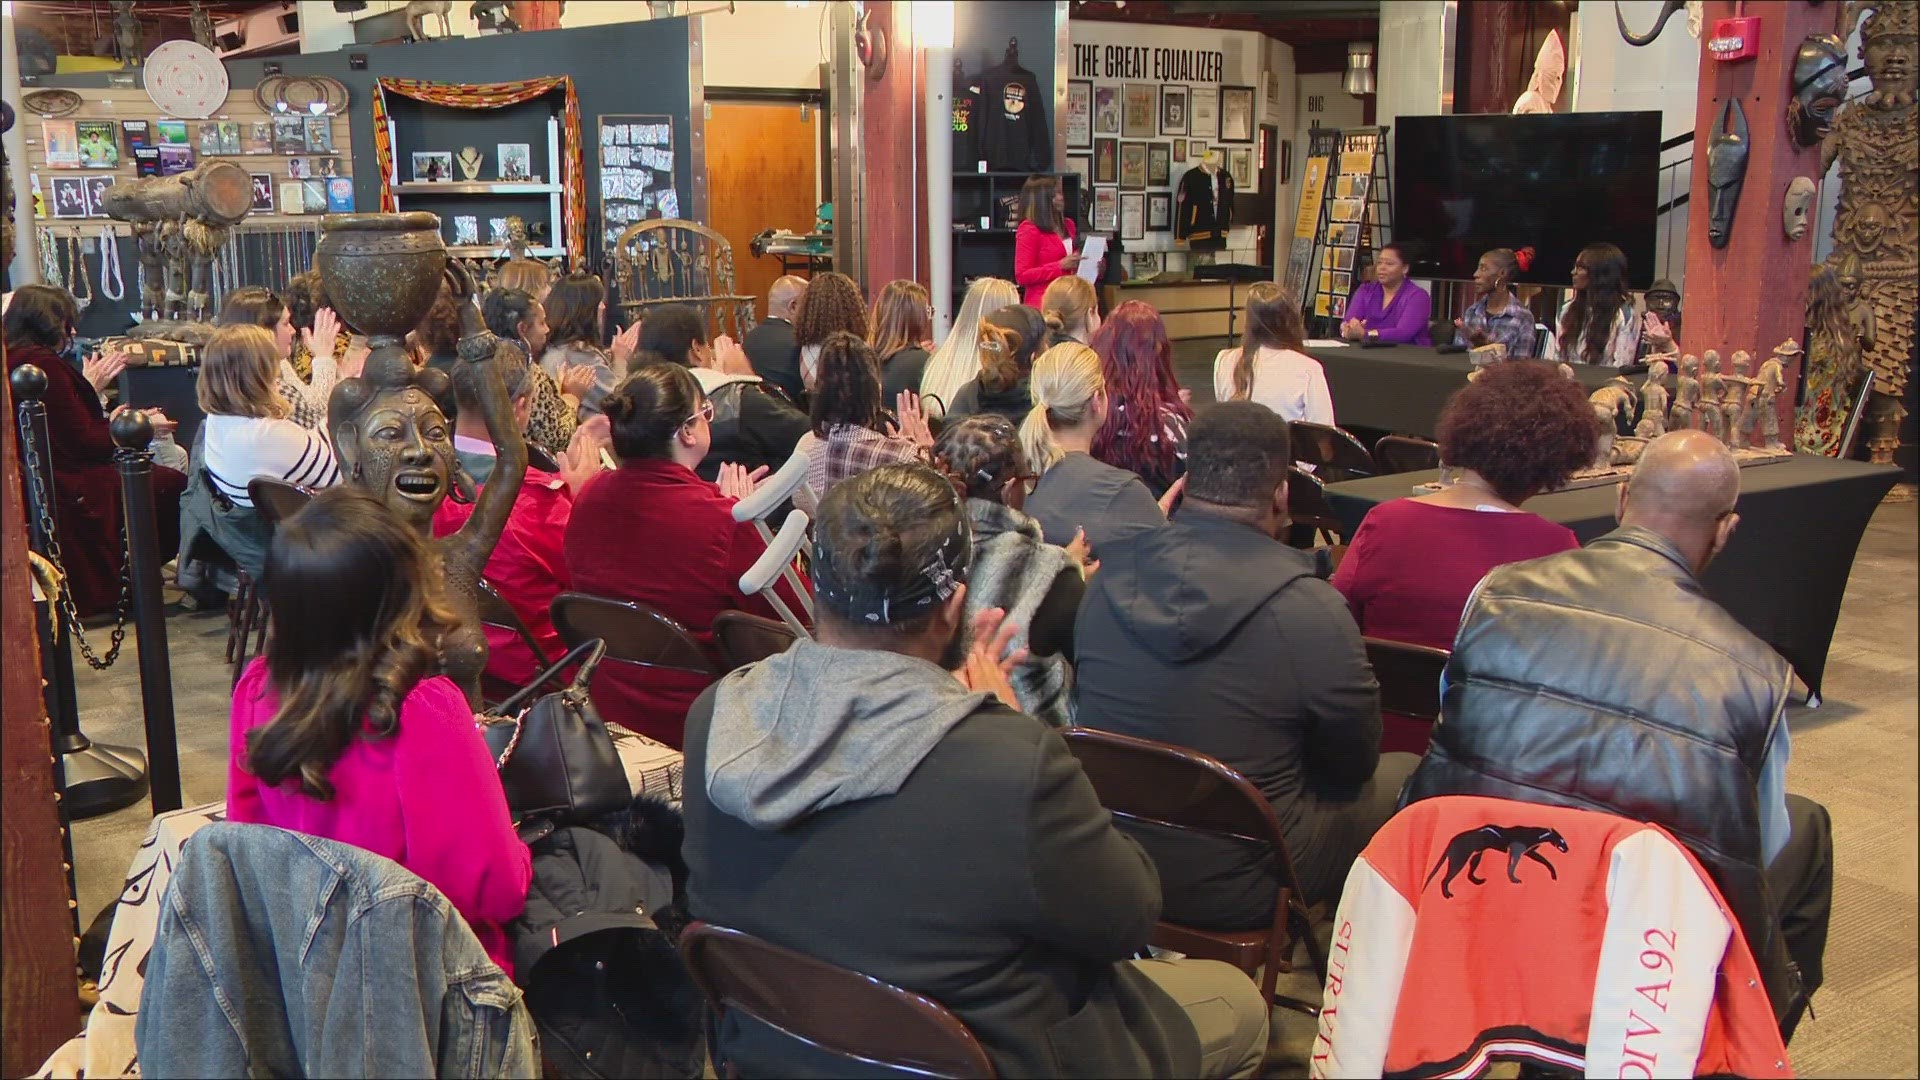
(1653, 397)
(1764, 388)
(1686, 397)
(1735, 398)
(1713, 392)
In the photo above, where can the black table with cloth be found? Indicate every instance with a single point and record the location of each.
(1402, 388)
(1783, 574)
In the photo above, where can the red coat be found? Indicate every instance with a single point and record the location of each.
(87, 487)
(654, 532)
(1036, 260)
(528, 568)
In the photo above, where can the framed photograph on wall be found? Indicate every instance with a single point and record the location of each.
(1159, 211)
(1173, 110)
(1179, 151)
(1106, 110)
(1079, 114)
(1159, 167)
(1081, 165)
(1203, 113)
(431, 166)
(1133, 215)
(1240, 166)
(1106, 161)
(1133, 166)
(69, 197)
(1137, 106)
(1106, 213)
(1196, 150)
(1236, 114)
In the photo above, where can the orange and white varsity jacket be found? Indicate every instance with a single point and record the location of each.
(1473, 930)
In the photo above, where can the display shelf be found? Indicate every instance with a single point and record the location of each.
(973, 230)
(487, 251)
(475, 187)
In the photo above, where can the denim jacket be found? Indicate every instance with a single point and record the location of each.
(282, 954)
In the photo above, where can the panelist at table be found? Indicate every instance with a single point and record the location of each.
(1389, 308)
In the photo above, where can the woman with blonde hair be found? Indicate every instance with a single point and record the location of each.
(1078, 496)
(1071, 308)
(900, 331)
(247, 434)
(527, 275)
(958, 357)
(1271, 367)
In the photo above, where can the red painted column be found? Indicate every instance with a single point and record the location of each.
(1751, 294)
(893, 142)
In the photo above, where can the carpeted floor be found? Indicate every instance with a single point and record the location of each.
(1856, 754)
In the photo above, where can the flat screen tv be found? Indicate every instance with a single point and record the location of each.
(1553, 182)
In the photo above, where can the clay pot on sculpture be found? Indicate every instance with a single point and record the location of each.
(383, 272)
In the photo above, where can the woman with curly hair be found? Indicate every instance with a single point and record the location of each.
(1597, 324)
(342, 729)
(852, 432)
(1520, 429)
(1009, 340)
(832, 304)
(1146, 428)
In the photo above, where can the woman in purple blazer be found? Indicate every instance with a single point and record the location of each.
(1388, 308)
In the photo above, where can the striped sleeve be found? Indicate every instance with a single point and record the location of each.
(314, 466)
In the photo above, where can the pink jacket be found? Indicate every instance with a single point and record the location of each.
(1036, 260)
(428, 798)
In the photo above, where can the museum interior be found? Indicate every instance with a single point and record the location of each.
(1353, 537)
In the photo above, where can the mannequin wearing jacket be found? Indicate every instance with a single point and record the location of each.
(1203, 206)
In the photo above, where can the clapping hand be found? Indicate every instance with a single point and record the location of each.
(729, 358)
(576, 379)
(735, 482)
(991, 661)
(624, 344)
(580, 461)
(101, 369)
(1655, 330)
(320, 338)
(1353, 330)
(355, 361)
(912, 422)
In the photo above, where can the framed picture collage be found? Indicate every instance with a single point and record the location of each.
(1131, 141)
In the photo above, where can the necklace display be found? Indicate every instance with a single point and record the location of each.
(50, 260)
(113, 285)
(82, 283)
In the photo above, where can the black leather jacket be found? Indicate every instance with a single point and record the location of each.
(1605, 679)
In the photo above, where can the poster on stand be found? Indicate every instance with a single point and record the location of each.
(1306, 223)
(636, 172)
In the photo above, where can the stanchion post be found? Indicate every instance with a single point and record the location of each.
(133, 434)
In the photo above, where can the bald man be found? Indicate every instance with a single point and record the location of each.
(1604, 679)
(770, 346)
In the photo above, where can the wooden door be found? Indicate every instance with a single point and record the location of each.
(763, 162)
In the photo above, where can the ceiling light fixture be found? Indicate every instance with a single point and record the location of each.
(1358, 80)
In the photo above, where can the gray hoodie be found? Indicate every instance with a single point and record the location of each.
(816, 726)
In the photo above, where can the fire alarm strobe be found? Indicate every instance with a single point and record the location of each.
(1736, 38)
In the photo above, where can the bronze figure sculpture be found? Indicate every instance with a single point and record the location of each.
(1653, 398)
(382, 273)
(1764, 388)
(1736, 387)
(1876, 226)
(1713, 392)
(1726, 171)
(1686, 395)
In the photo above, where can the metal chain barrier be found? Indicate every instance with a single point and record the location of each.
(69, 614)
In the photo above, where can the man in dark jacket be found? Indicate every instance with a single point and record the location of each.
(852, 799)
(1604, 679)
(770, 346)
(752, 425)
(1213, 635)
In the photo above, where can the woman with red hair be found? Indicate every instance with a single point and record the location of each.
(1146, 428)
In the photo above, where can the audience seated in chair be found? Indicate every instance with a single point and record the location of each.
(1010, 339)
(958, 357)
(1515, 432)
(41, 322)
(1078, 495)
(1147, 414)
(751, 427)
(1604, 678)
(1038, 585)
(251, 305)
(1271, 366)
(852, 431)
(554, 410)
(770, 346)
(853, 800)
(528, 567)
(576, 309)
(1213, 635)
(654, 532)
(832, 304)
(900, 329)
(340, 731)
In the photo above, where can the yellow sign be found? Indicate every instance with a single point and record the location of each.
(1307, 222)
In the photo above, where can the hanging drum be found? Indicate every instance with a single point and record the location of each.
(213, 193)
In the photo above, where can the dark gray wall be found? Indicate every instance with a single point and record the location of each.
(637, 67)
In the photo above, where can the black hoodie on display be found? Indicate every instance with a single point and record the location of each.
(1012, 120)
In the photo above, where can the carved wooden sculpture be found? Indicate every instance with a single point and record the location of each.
(1713, 391)
(1764, 388)
(1733, 405)
(1877, 222)
(180, 223)
(1686, 395)
(1833, 363)
(1653, 397)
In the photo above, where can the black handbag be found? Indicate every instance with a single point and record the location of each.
(557, 758)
